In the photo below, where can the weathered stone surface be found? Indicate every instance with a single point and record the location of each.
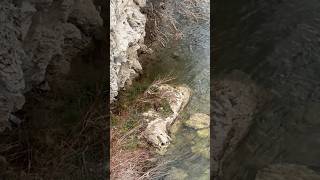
(158, 125)
(286, 172)
(36, 42)
(198, 121)
(127, 31)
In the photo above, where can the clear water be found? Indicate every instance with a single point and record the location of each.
(277, 43)
(188, 60)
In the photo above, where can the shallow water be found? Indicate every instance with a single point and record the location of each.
(188, 60)
(277, 43)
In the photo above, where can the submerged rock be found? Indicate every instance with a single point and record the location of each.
(201, 148)
(287, 172)
(203, 133)
(127, 32)
(205, 175)
(198, 121)
(159, 123)
(176, 174)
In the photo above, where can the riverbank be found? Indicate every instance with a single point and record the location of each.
(131, 156)
(172, 55)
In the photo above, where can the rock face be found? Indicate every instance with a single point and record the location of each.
(159, 123)
(127, 31)
(286, 172)
(38, 39)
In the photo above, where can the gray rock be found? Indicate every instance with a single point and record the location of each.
(159, 123)
(36, 41)
(127, 31)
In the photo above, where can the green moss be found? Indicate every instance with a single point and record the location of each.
(128, 125)
(144, 107)
(136, 89)
(166, 109)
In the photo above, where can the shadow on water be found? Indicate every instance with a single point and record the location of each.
(276, 43)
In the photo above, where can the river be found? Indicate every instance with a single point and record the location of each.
(276, 43)
(188, 61)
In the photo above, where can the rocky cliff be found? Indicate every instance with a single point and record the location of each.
(127, 31)
(38, 40)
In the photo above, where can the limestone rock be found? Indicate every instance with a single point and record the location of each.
(36, 40)
(198, 121)
(127, 31)
(85, 16)
(156, 131)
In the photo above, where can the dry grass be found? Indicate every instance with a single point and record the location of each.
(164, 22)
(189, 9)
(151, 96)
(49, 152)
(126, 163)
(137, 162)
(157, 19)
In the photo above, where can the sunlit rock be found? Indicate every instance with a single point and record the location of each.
(160, 122)
(127, 32)
(203, 133)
